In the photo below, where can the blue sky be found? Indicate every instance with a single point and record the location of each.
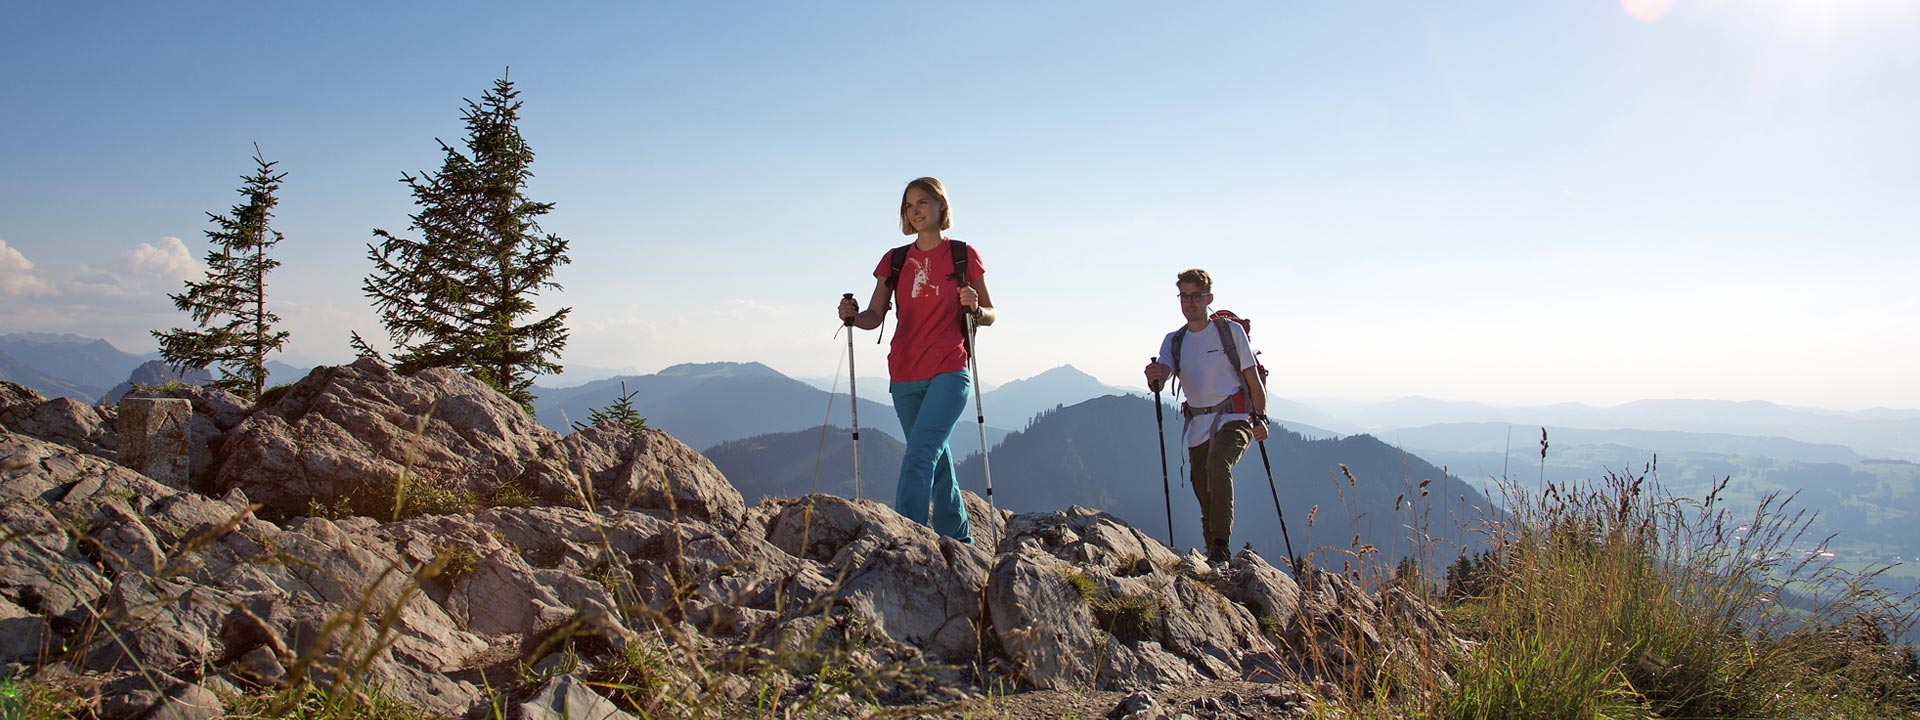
(1516, 203)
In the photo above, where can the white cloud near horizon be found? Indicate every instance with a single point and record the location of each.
(167, 260)
(17, 276)
(147, 271)
(120, 300)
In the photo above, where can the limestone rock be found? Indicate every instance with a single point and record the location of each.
(154, 439)
(1079, 597)
(631, 469)
(564, 698)
(214, 413)
(345, 436)
(62, 421)
(906, 582)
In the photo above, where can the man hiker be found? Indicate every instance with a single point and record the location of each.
(1226, 405)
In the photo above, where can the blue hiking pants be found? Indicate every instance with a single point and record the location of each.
(928, 410)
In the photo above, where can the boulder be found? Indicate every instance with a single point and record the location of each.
(345, 436)
(564, 698)
(913, 586)
(636, 469)
(62, 421)
(154, 435)
(215, 412)
(1078, 597)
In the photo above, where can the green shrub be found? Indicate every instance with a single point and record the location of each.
(1083, 585)
(1130, 618)
(28, 700)
(307, 702)
(418, 496)
(271, 395)
(1614, 600)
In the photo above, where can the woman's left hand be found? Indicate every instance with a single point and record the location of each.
(970, 299)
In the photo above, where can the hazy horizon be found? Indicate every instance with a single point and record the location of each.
(1517, 206)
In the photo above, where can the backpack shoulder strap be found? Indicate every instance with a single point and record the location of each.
(1226, 343)
(1177, 337)
(959, 262)
(1233, 356)
(897, 259)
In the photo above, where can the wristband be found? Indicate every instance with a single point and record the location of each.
(1257, 417)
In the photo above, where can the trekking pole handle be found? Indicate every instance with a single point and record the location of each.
(856, 306)
(1155, 386)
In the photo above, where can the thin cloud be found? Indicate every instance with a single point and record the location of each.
(148, 271)
(166, 260)
(17, 276)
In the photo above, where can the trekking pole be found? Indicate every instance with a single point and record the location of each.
(1276, 505)
(1166, 491)
(979, 415)
(855, 404)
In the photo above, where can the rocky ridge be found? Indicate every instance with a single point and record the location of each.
(422, 536)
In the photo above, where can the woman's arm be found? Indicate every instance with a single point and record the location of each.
(877, 307)
(976, 295)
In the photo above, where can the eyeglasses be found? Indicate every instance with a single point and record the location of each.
(1193, 297)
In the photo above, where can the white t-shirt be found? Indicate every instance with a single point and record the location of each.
(1205, 377)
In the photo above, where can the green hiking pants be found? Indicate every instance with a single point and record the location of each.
(1212, 463)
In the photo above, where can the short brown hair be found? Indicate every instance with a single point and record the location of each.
(1199, 278)
(932, 187)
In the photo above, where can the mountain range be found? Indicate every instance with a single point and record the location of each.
(801, 462)
(1078, 455)
(1881, 432)
(1098, 454)
(705, 404)
(69, 366)
(92, 370)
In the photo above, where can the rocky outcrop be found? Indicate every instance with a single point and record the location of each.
(214, 413)
(1079, 598)
(153, 438)
(346, 436)
(612, 551)
(643, 469)
(61, 420)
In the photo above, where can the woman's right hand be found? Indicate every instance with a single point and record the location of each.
(848, 309)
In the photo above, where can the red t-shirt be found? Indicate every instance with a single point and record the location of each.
(928, 340)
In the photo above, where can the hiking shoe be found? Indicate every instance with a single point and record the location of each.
(1217, 552)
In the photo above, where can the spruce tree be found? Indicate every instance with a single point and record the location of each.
(230, 306)
(456, 295)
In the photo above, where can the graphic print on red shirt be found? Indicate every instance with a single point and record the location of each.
(928, 339)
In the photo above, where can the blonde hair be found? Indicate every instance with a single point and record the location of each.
(1198, 278)
(932, 187)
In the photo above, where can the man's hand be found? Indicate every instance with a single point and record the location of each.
(1157, 375)
(1260, 431)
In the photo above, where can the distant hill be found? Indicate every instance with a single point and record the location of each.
(874, 387)
(575, 376)
(1879, 432)
(1493, 437)
(156, 372)
(82, 362)
(789, 464)
(14, 371)
(279, 373)
(710, 403)
(1100, 453)
(1019, 400)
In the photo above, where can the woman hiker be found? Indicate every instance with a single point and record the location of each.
(928, 361)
